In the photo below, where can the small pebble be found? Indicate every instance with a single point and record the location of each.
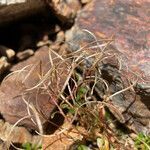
(4, 65)
(60, 37)
(7, 52)
(43, 43)
(24, 54)
(85, 1)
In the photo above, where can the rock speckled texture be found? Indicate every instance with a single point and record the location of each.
(127, 23)
(14, 89)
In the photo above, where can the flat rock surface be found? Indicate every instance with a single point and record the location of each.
(33, 72)
(128, 23)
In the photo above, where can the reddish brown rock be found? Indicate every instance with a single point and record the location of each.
(19, 86)
(128, 23)
(62, 141)
(8, 133)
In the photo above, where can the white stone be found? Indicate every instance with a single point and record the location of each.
(8, 2)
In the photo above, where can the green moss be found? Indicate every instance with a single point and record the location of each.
(142, 142)
(30, 146)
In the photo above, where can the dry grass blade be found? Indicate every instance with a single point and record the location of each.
(28, 108)
(82, 82)
(38, 121)
(8, 138)
(44, 78)
(85, 30)
(29, 73)
(16, 72)
(121, 91)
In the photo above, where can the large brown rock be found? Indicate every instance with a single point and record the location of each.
(19, 86)
(128, 23)
(63, 10)
(15, 11)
